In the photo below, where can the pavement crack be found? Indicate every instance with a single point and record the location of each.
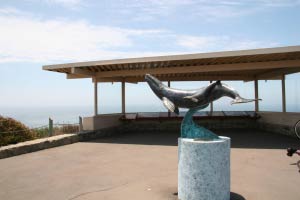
(95, 191)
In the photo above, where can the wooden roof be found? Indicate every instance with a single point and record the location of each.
(247, 65)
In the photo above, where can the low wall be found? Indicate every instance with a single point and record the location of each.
(278, 122)
(101, 122)
(174, 125)
(54, 141)
(105, 125)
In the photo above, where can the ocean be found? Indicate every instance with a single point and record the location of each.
(39, 116)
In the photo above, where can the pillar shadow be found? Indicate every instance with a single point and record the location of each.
(235, 196)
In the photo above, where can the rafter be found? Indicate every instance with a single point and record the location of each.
(202, 68)
(176, 78)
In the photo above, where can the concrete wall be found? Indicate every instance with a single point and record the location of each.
(174, 125)
(101, 122)
(278, 122)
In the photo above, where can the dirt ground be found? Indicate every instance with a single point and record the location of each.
(144, 166)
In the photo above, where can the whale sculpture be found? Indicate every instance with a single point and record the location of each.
(194, 100)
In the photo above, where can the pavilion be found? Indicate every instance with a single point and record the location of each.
(243, 65)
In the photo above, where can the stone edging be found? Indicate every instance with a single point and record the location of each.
(50, 142)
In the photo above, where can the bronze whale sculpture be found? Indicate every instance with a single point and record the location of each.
(193, 99)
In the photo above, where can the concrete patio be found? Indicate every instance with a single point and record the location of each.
(144, 166)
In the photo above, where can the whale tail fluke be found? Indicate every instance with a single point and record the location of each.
(243, 100)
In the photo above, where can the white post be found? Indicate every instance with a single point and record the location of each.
(95, 97)
(256, 95)
(50, 127)
(283, 93)
(80, 124)
(123, 98)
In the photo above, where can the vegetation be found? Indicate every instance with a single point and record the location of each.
(13, 131)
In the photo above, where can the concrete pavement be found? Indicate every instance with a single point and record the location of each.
(144, 166)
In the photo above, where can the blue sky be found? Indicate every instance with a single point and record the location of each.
(39, 32)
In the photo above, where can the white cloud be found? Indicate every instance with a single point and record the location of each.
(207, 9)
(30, 39)
(219, 43)
(71, 4)
(25, 38)
(10, 11)
(195, 42)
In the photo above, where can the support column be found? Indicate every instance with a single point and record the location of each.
(95, 98)
(123, 97)
(256, 95)
(283, 93)
(211, 106)
(169, 85)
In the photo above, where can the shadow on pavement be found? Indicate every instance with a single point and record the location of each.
(235, 196)
(239, 139)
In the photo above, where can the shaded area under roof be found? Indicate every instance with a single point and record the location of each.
(247, 65)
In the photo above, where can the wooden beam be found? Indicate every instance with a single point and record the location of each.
(201, 68)
(169, 85)
(123, 97)
(96, 98)
(211, 105)
(76, 76)
(118, 79)
(277, 73)
(283, 93)
(256, 95)
(85, 72)
(180, 78)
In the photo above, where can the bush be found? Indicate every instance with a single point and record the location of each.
(41, 132)
(65, 129)
(13, 131)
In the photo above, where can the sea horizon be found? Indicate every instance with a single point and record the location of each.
(39, 115)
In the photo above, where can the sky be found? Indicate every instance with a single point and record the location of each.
(34, 33)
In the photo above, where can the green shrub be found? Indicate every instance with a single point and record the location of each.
(65, 129)
(13, 131)
(41, 132)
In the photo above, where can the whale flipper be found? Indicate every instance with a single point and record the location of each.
(170, 105)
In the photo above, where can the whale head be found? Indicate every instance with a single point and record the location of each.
(152, 81)
(155, 84)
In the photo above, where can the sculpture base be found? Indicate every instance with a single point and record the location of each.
(204, 169)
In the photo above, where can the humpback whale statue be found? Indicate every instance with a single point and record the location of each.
(194, 100)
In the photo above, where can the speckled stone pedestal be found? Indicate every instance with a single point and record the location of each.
(204, 169)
